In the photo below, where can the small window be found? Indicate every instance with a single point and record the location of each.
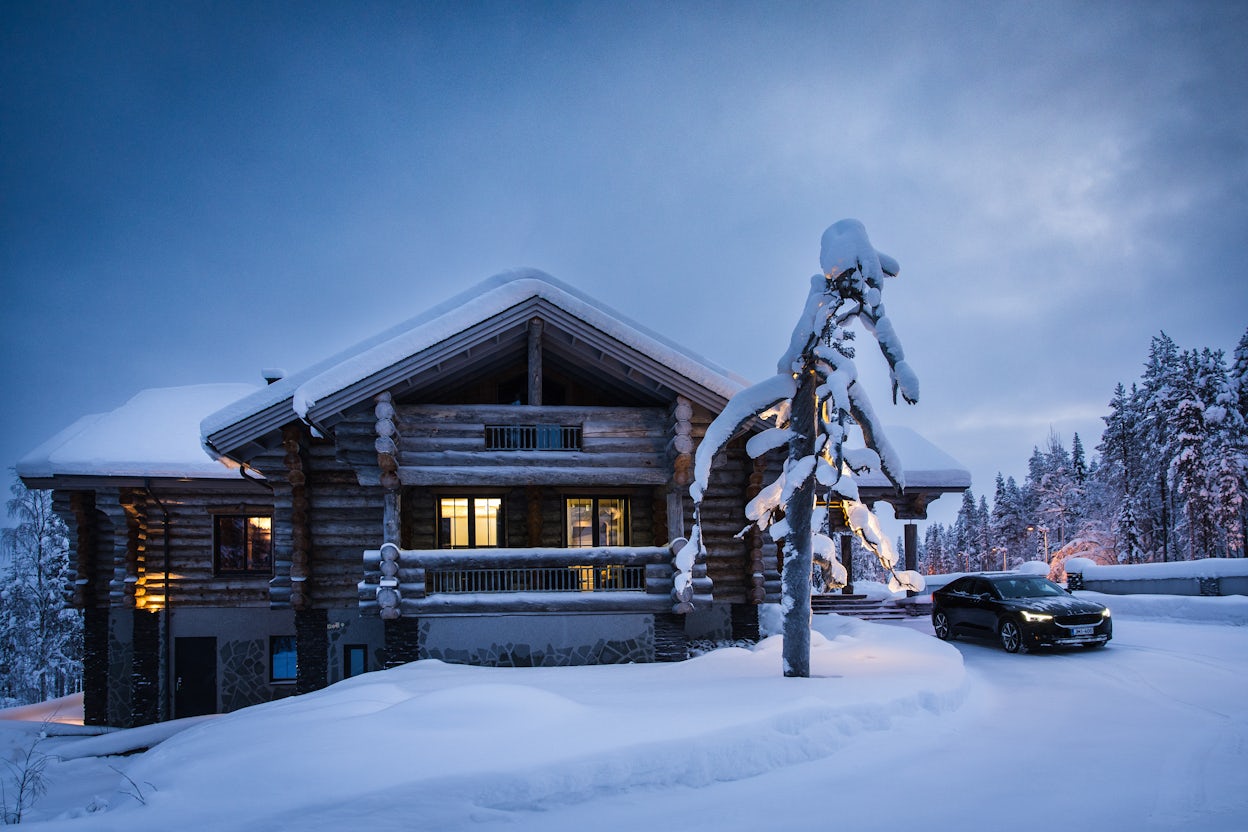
(470, 522)
(283, 659)
(243, 543)
(597, 521)
(354, 660)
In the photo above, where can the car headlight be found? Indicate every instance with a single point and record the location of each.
(1036, 616)
(1105, 613)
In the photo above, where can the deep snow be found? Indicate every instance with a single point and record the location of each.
(895, 728)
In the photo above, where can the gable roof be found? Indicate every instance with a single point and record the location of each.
(440, 340)
(150, 436)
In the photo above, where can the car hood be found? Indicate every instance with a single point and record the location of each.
(1054, 605)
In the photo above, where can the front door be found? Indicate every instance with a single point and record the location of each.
(195, 679)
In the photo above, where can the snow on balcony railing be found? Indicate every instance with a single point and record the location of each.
(608, 578)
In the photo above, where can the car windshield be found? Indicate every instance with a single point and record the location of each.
(1027, 588)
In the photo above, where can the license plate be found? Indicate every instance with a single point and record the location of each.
(1081, 631)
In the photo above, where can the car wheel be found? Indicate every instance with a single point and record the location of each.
(940, 623)
(1012, 637)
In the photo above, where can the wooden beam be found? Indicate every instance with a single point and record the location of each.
(535, 362)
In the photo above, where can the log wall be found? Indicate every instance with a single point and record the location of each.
(445, 445)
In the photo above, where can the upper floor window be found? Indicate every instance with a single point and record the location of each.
(597, 521)
(474, 522)
(243, 543)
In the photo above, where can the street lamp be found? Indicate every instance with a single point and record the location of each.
(1044, 532)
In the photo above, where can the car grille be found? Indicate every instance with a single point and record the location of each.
(1076, 620)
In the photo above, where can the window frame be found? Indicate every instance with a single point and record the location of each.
(274, 641)
(347, 650)
(246, 515)
(626, 522)
(440, 538)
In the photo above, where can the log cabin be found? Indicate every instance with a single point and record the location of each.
(500, 481)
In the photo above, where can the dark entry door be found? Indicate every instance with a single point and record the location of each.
(195, 680)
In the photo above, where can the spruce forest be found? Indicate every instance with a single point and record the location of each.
(1167, 481)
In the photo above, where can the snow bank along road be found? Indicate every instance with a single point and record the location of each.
(897, 730)
(1150, 732)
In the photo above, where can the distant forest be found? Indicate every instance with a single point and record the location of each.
(1167, 481)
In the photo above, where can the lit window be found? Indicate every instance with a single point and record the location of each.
(470, 522)
(597, 521)
(243, 544)
(283, 661)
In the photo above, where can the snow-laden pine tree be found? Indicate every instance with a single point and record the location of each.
(1057, 494)
(40, 634)
(1162, 378)
(1078, 462)
(1007, 523)
(811, 403)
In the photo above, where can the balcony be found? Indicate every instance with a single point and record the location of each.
(447, 581)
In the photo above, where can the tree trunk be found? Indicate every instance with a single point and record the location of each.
(797, 557)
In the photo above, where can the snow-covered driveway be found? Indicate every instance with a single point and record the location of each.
(1150, 732)
(894, 730)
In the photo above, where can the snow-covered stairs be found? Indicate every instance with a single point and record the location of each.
(858, 606)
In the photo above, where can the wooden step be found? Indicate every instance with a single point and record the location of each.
(858, 606)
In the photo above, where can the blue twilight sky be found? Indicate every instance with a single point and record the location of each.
(190, 191)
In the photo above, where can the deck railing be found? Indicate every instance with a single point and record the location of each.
(533, 437)
(576, 578)
(447, 581)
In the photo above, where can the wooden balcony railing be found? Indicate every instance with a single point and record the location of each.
(603, 579)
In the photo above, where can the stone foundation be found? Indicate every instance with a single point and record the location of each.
(538, 640)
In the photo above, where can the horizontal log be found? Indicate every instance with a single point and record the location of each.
(502, 414)
(536, 602)
(513, 475)
(540, 557)
(633, 458)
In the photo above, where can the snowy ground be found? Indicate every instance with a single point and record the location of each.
(896, 728)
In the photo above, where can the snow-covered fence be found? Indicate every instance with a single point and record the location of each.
(1210, 576)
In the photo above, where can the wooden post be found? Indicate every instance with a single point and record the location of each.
(758, 577)
(533, 496)
(535, 362)
(911, 543)
(387, 446)
(798, 560)
(300, 535)
(847, 560)
(680, 451)
(83, 504)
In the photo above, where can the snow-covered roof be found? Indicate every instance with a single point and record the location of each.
(159, 432)
(154, 434)
(301, 391)
(925, 465)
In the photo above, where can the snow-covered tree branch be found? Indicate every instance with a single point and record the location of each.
(809, 405)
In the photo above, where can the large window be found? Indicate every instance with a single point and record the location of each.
(243, 543)
(597, 521)
(283, 659)
(470, 522)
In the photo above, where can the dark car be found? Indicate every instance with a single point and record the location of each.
(1024, 611)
